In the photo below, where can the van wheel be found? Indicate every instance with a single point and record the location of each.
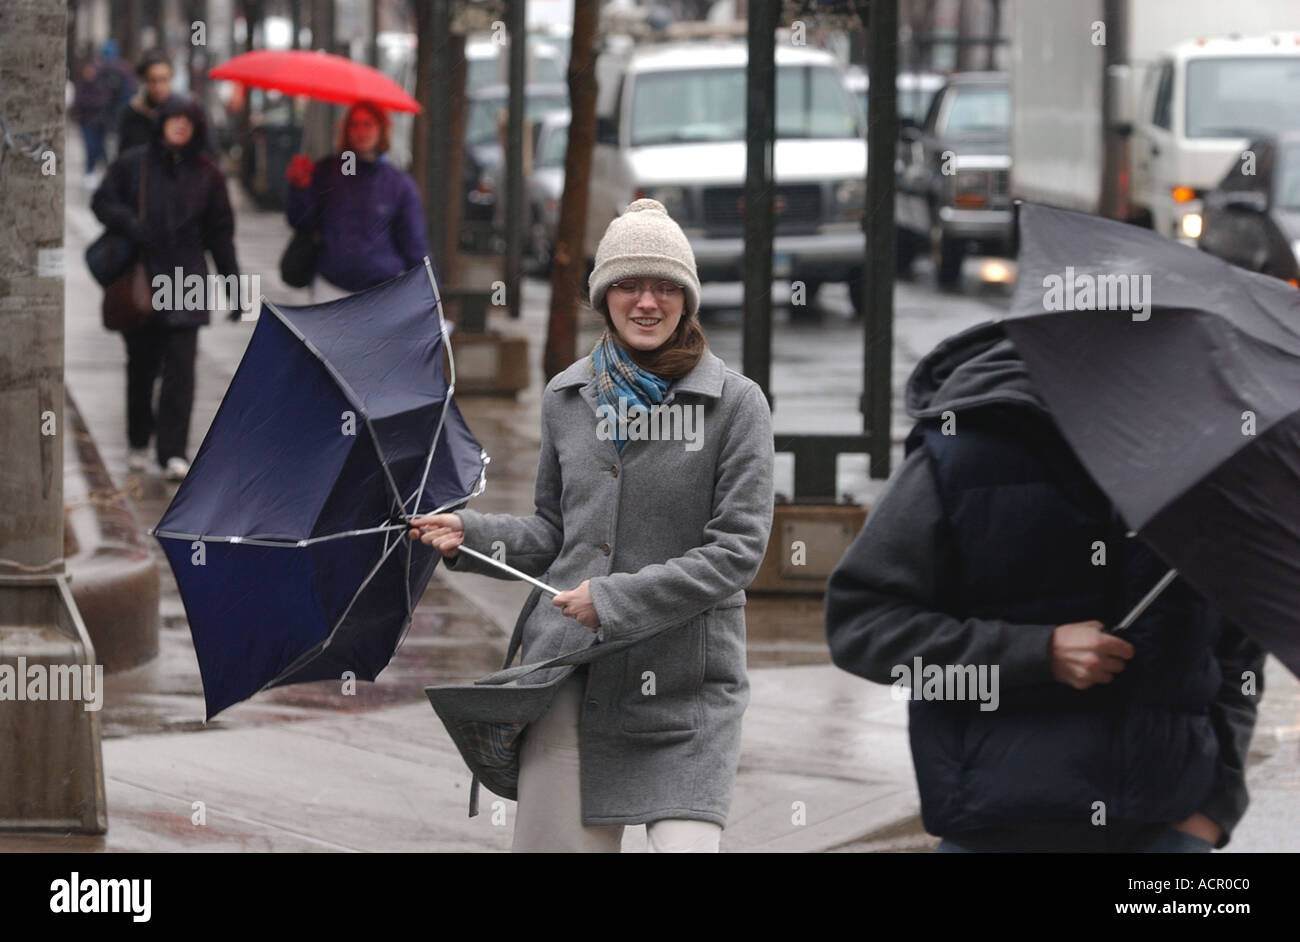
(905, 252)
(947, 253)
(856, 297)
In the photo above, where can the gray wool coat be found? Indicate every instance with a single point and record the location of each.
(669, 533)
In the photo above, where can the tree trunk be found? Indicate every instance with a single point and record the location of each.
(569, 264)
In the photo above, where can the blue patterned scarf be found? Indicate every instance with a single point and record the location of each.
(617, 377)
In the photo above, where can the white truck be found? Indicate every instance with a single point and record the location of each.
(671, 126)
(1132, 109)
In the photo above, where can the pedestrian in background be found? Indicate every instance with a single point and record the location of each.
(982, 553)
(137, 124)
(658, 540)
(367, 212)
(117, 77)
(187, 215)
(90, 109)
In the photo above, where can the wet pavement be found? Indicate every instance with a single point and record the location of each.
(310, 768)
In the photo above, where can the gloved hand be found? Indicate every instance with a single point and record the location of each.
(299, 171)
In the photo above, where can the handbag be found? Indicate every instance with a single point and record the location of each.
(128, 300)
(298, 263)
(486, 719)
(110, 256)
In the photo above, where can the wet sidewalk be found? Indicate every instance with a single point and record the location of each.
(825, 762)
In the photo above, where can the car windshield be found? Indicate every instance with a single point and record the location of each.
(1288, 180)
(913, 103)
(491, 70)
(1242, 97)
(481, 124)
(552, 152)
(709, 105)
(979, 110)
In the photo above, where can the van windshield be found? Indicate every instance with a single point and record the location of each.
(709, 105)
(979, 110)
(1244, 97)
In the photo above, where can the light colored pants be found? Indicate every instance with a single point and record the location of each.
(549, 815)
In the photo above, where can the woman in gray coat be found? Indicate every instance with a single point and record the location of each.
(653, 507)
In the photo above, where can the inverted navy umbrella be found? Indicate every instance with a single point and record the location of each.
(1175, 377)
(288, 536)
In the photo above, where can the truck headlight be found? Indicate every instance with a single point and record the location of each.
(1192, 225)
(850, 198)
(1295, 250)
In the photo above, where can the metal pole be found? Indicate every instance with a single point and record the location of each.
(515, 29)
(760, 133)
(439, 128)
(373, 51)
(878, 221)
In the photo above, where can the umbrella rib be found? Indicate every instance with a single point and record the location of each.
(322, 646)
(348, 391)
(451, 387)
(255, 541)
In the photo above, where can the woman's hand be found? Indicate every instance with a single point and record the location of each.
(299, 171)
(577, 604)
(444, 532)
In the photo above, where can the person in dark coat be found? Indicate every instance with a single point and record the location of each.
(90, 109)
(979, 588)
(367, 211)
(188, 214)
(137, 124)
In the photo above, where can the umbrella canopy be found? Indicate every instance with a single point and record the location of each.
(319, 75)
(287, 537)
(1176, 379)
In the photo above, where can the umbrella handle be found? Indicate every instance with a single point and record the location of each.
(1147, 599)
(406, 519)
(510, 569)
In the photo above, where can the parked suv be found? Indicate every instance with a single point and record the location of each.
(954, 176)
(672, 127)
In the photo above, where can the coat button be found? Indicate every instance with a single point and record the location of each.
(594, 704)
(613, 469)
(606, 548)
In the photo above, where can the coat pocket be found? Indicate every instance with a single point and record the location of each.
(662, 677)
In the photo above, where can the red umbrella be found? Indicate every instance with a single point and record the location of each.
(319, 75)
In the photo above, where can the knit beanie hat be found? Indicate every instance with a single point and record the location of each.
(645, 242)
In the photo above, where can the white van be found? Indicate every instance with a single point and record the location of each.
(671, 127)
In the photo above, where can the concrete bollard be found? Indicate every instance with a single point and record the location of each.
(51, 770)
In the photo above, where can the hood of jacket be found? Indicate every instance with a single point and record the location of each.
(178, 105)
(977, 367)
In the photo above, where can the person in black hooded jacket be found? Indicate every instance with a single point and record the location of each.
(187, 214)
(992, 550)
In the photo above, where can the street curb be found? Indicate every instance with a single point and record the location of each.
(114, 578)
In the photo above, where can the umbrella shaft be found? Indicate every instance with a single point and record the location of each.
(1147, 599)
(510, 569)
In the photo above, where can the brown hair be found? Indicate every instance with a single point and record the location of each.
(679, 353)
(381, 118)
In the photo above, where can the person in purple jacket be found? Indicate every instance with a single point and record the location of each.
(367, 211)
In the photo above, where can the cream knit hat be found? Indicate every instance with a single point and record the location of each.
(645, 242)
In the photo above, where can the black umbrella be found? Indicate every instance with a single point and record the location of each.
(1176, 379)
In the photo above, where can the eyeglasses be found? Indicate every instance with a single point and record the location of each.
(663, 290)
